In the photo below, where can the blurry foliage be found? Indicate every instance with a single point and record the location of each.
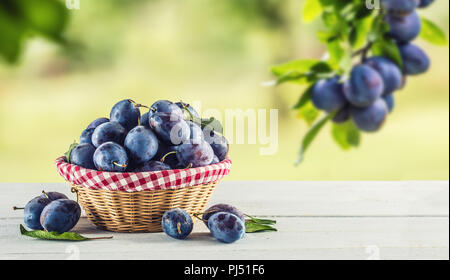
(268, 12)
(349, 31)
(22, 19)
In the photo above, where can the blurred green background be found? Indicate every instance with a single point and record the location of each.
(218, 52)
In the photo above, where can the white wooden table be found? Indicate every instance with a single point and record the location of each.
(316, 220)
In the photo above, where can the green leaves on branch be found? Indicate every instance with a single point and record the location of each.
(302, 71)
(311, 135)
(388, 48)
(350, 31)
(312, 9)
(308, 112)
(66, 236)
(346, 135)
(431, 33)
(21, 19)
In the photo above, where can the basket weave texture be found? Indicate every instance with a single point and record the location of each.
(135, 202)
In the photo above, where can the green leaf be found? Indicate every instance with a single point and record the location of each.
(300, 66)
(360, 31)
(388, 48)
(251, 227)
(213, 124)
(310, 136)
(66, 236)
(432, 33)
(301, 71)
(67, 154)
(47, 17)
(261, 221)
(12, 36)
(304, 98)
(311, 10)
(336, 51)
(294, 70)
(308, 112)
(346, 135)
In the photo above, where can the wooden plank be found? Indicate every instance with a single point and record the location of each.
(402, 198)
(297, 238)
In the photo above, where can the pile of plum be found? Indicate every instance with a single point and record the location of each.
(51, 211)
(367, 96)
(225, 222)
(168, 136)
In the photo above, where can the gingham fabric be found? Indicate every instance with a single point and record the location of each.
(142, 181)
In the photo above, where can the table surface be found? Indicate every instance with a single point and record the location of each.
(315, 220)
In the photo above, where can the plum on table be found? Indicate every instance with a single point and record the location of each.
(177, 223)
(222, 207)
(60, 215)
(33, 210)
(226, 227)
(53, 195)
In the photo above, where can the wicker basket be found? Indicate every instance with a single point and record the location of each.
(140, 209)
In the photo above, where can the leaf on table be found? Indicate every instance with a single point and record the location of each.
(255, 227)
(261, 221)
(66, 236)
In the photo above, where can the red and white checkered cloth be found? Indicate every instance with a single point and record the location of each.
(142, 181)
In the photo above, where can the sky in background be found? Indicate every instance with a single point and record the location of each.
(217, 53)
